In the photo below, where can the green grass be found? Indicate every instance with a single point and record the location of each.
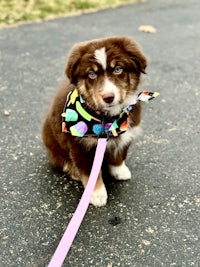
(14, 11)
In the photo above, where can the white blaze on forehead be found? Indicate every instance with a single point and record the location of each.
(101, 57)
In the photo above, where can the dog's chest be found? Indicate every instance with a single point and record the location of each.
(118, 144)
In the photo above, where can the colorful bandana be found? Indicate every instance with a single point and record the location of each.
(81, 121)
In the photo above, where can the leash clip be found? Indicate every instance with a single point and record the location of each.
(103, 133)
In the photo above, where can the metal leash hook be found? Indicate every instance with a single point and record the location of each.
(104, 133)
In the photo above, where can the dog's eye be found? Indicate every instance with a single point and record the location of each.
(92, 75)
(118, 70)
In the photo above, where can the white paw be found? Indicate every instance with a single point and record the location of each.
(99, 197)
(121, 172)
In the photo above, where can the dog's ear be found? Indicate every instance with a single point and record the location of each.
(140, 61)
(136, 55)
(73, 64)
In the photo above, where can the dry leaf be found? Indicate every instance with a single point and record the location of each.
(147, 28)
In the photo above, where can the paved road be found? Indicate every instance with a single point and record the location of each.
(158, 210)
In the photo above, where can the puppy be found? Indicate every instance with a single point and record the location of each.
(103, 76)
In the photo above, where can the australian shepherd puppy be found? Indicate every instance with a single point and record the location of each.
(103, 77)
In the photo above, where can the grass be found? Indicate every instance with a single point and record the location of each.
(14, 11)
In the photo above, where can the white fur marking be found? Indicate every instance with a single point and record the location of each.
(130, 134)
(110, 87)
(66, 167)
(125, 139)
(121, 172)
(101, 57)
(99, 197)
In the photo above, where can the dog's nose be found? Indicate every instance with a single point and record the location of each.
(108, 98)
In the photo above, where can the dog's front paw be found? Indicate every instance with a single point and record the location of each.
(99, 197)
(121, 172)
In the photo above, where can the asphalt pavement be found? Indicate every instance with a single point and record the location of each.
(152, 220)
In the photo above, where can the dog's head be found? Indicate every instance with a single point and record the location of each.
(106, 72)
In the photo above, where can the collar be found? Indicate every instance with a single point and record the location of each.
(81, 121)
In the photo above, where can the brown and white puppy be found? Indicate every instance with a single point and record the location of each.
(106, 73)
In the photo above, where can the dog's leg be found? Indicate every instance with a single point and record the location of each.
(116, 163)
(71, 170)
(120, 172)
(83, 160)
(99, 196)
(59, 158)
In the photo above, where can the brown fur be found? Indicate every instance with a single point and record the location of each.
(74, 154)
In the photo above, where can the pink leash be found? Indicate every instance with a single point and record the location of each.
(73, 226)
